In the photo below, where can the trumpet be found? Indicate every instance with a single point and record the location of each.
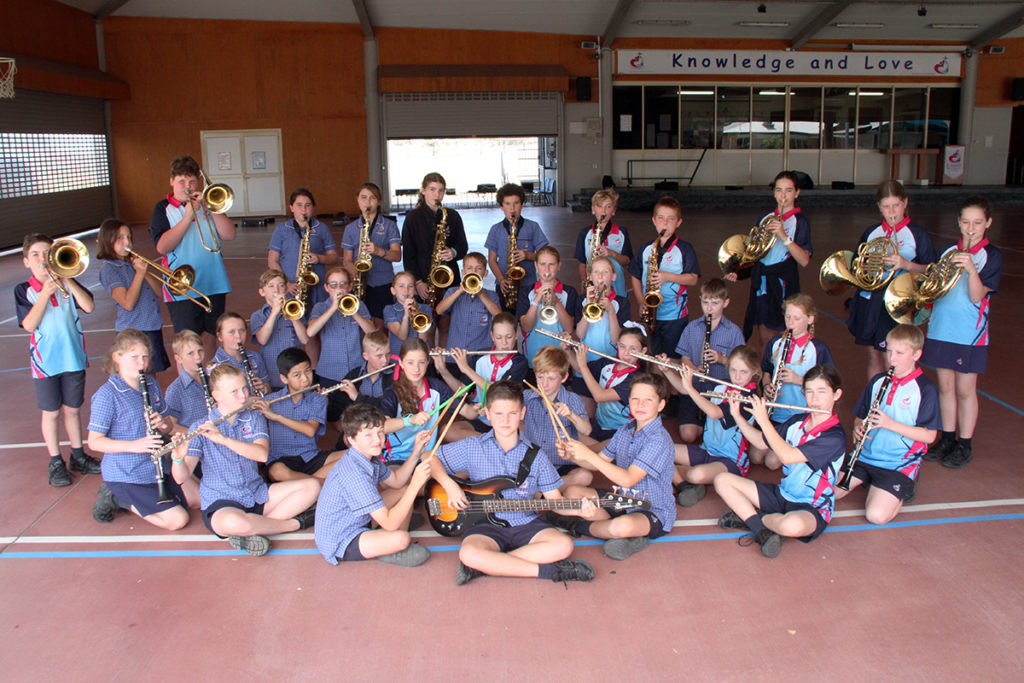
(770, 404)
(418, 321)
(740, 252)
(178, 281)
(547, 313)
(214, 198)
(865, 271)
(66, 258)
(348, 304)
(472, 284)
(592, 311)
(513, 272)
(441, 275)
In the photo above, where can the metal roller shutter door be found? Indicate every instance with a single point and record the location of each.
(488, 114)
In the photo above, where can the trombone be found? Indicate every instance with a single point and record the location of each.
(66, 258)
(214, 198)
(178, 281)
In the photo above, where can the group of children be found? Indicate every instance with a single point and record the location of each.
(244, 430)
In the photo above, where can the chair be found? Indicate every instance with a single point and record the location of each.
(546, 195)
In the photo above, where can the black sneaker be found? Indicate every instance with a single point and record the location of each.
(306, 518)
(691, 494)
(564, 522)
(621, 548)
(958, 457)
(105, 507)
(412, 556)
(58, 474)
(416, 521)
(85, 464)
(770, 542)
(573, 570)
(730, 520)
(464, 574)
(254, 545)
(939, 451)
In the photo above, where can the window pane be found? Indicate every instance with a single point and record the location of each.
(840, 116)
(769, 122)
(733, 118)
(627, 110)
(943, 116)
(698, 118)
(873, 127)
(805, 118)
(40, 163)
(909, 117)
(661, 117)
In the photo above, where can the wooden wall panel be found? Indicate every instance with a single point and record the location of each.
(50, 30)
(189, 76)
(996, 74)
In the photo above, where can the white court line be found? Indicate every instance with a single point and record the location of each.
(14, 317)
(29, 445)
(210, 538)
(26, 334)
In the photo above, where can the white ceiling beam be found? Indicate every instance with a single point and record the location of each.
(998, 30)
(364, 17)
(109, 7)
(615, 22)
(815, 24)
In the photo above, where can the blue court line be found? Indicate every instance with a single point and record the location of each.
(101, 554)
(1001, 402)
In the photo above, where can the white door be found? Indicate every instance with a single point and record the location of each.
(249, 162)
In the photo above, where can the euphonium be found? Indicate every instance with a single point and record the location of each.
(66, 258)
(548, 314)
(513, 272)
(909, 295)
(472, 284)
(441, 275)
(866, 270)
(348, 304)
(592, 311)
(743, 251)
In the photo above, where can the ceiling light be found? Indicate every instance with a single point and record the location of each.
(952, 25)
(858, 24)
(771, 92)
(866, 93)
(763, 24)
(687, 93)
(661, 22)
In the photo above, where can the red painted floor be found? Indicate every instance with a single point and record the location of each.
(935, 597)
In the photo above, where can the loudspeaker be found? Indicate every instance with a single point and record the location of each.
(583, 88)
(1017, 93)
(667, 185)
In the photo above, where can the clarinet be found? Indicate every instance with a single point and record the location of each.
(205, 381)
(705, 364)
(156, 457)
(846, 472)
(249, 377)
(780, 363)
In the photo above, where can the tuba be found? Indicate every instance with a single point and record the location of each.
(740, 252)
(441, 275)
(66, 258)
(513, 272)
(909, 296)
(866, 270)
(652, 292)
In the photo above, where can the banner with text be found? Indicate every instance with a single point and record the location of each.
(777, 62)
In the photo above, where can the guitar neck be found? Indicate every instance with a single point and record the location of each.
(536, 504)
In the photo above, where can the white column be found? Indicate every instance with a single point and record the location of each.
(967, 87)
(374, 145)
(607, 64)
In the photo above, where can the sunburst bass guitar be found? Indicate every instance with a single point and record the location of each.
(485, 499)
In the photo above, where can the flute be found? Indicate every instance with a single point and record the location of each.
(770, 404)
(360, 378)
(573, 342)
(451, 352)
(680, 366)
(246, 406)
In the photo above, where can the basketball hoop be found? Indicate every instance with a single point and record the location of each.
(7, 71)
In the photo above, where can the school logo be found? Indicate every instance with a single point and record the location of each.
(638, 61)
(942, 67)
(905, 402)
(896, 487)
(954, 158)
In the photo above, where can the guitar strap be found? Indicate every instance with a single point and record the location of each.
(526, 464)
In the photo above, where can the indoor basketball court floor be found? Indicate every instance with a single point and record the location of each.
(931, 596)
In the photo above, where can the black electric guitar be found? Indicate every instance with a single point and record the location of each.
(485, 499)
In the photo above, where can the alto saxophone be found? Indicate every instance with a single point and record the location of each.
(362, 263)
(305, 278)
(652, 293)
(595, 243)
(513, 272)
(441, 275)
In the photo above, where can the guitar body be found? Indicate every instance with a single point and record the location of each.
(448, 521)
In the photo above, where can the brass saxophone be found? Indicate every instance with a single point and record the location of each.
(305, 278)
(595, 242)
(362, 262)
(513, 272)
(652, 293)
(441, 275)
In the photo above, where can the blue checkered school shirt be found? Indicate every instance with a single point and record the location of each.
(537, 427)
(482, 458)
(186, 400)
(652, 450)
(145, 315)
(394, 313)
(283, 337)
(258, 368)
(117, 413)
(341, 342)
(226, 474)
(348, 497)
(285, 441)
(471, 321)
